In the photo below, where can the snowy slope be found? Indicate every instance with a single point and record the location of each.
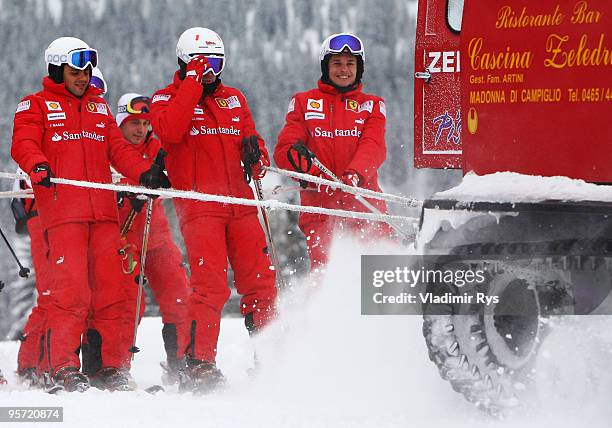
(325, 365)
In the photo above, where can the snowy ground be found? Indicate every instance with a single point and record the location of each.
(325, 365)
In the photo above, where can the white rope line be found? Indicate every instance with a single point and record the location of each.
(349, 189)
(205, 197)
(23, 194)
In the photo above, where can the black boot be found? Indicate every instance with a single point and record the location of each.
(173, 365)
(113, 379)
(71, 379)
(91, 352)
(200, 377)
(29, 377)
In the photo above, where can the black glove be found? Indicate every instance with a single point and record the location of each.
(300, 157)
(154, 177)
(136, 203)
(41, 174)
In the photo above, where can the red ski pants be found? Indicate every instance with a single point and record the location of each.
(210, 241)
(86, 277)
(319, 236)
(29, 354)
(168, 281)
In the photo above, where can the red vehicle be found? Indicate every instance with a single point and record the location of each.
(526, 89)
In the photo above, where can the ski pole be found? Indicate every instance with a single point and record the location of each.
(143, 258)
(361, 199)
(280, 280)
(158, 166)
(24, 272)
(251, 156)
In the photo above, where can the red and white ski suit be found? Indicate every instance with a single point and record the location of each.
(345, 131)
(163, 268)
(203, 138)
(79, 139)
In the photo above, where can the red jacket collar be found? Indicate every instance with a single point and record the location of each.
(60, 89)
(329, 89)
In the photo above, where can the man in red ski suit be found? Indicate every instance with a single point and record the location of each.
(201, 124)
(67, 130)
(163, 268)
(28, 221)
(345, 129)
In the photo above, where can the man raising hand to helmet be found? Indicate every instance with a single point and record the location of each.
(202, 125)
(67, 130)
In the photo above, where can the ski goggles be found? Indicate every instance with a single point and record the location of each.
(136, 105)
(338, 43)
(81, 58)
(215, 63)
(98, 83)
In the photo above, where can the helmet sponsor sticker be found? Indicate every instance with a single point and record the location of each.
(312, 115)
(53, 106)
(160, 97)
(315, 105)
(22, 106)
(383, 109)
(56, 116)
(291, 105)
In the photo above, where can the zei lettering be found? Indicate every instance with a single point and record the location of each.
(444, 62)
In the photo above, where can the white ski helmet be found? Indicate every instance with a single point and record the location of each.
(72, 51)
(199, 40)
(338, 43)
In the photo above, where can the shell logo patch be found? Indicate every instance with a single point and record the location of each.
(315, 105)
(53, 106)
